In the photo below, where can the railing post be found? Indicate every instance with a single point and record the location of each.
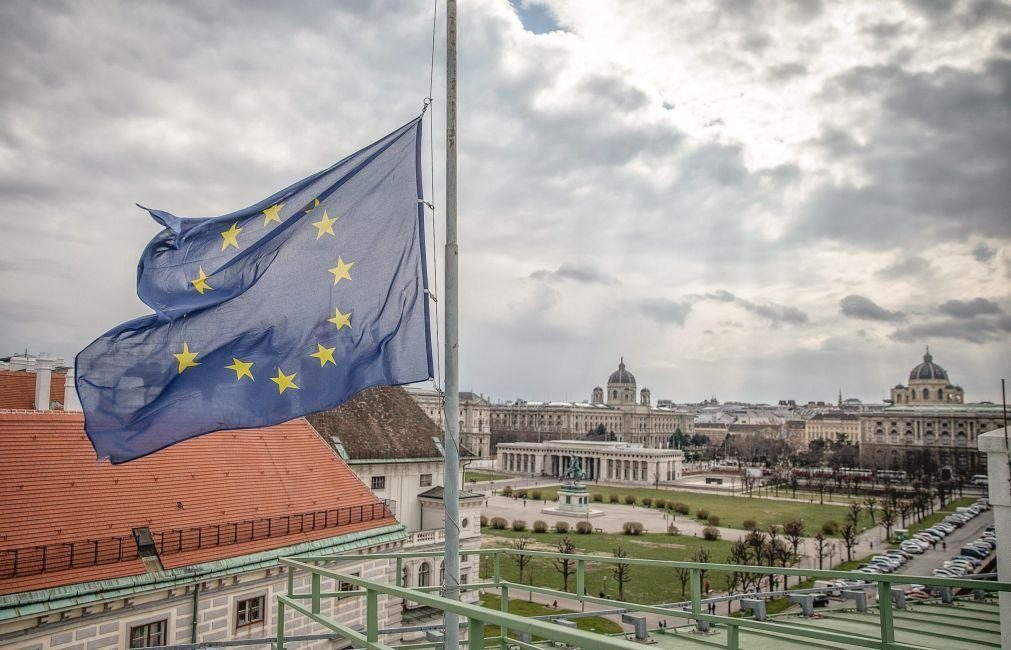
(400, 572)
(695, 579)
(580, 578)
(475, 636)
(733, 637)
(371, 616)
(315, 593)
(291, 580)
(280, 622)
(885, 613)
(498, 568)
(504, 606)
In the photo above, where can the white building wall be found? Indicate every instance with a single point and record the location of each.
(107, 624)
(403, 484)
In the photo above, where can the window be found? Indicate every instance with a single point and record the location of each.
(378, 482)
(426, 480)
(249, 611)
(424, 573)
(463, 578)
(147, 635)
(347, 586)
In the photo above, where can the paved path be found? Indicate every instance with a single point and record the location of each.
(923, 565)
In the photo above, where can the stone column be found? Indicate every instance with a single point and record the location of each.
(538, 464)
(994, 445)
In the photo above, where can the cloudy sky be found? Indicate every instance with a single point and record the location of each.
(758, 200)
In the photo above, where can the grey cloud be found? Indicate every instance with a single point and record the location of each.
(980, 329)
(611, 92)
(774, 312)
(906, 266)
(1004, 42)
(969, 308)
(787, 71)
(581, 274)
(863, 308)
(939, 166)
(983, 253)
(666, 311)
(756, 42)
(884, 31)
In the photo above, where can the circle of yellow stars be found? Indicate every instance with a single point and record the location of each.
(342, 271)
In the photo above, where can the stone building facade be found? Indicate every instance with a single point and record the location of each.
(832, 426)
(623, 414)
(475, 417)
(932, 429)
(608, 462)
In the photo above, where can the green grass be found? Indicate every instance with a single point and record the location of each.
(519, 607)
(732, 510)
(483, 476)
(648, 586)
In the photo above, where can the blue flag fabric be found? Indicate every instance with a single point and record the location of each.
(287, 307)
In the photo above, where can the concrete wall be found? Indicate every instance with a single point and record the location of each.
(994, 445)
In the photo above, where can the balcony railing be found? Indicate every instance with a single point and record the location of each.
(516, 631)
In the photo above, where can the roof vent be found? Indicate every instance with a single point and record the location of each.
(147, 549)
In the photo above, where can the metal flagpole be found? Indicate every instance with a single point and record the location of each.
(451, 300)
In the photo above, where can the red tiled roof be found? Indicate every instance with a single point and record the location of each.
(17, 389)
(53, 490)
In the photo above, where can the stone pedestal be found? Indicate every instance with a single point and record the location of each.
(994, 445)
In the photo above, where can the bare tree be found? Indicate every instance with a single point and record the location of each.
(701, 556)
(871, 505)
(565, 565)
(887, 517)
(683, 575)
(794, 533)
(521, 560)
(853, 513)
(622, 572)
(821, 550)
(849, 534)
(905, 507)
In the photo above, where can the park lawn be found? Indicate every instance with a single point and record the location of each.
(939, 515)
(520, 607)
(647, 586)
(478, 476)
(732, 510)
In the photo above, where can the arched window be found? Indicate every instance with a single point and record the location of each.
(614, 394)
(926, 394)
(424, 574)
(940, 394)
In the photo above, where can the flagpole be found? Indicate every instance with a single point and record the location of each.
(451, 494)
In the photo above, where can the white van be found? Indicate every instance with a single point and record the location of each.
(980, 479)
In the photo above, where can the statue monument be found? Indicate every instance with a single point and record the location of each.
(573, 498)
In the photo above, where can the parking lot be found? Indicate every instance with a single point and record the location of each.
(922, 565)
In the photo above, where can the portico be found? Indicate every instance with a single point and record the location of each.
(608, 462)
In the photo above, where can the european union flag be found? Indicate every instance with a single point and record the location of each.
(285, 308)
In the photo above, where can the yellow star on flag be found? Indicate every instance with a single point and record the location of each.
(340, 320)
(186, 358)
(325, 225)
(325, 355)
(241, 368)
(314, 206)
(342, 271)
(231, 236)
(283, 381)
(200, 283)
(273, 213)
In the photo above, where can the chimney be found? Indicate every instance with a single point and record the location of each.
(71, 401)
(43, 382)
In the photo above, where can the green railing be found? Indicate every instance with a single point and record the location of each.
(478, 617)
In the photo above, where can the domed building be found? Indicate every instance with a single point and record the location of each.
(928, 427)
(621, 386)
(928, 384)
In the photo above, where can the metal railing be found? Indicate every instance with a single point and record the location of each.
(478, 617)
(76, 554)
